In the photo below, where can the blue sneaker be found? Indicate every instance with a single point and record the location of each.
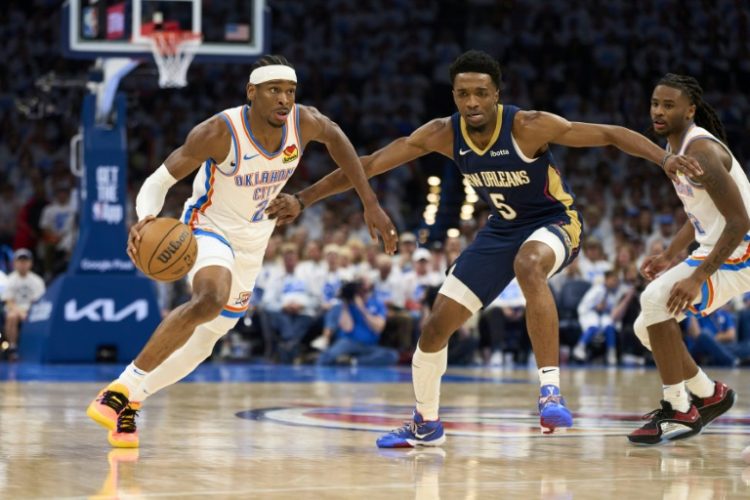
(414, 433)
(552, 410)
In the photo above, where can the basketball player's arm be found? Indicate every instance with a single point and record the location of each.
(207, 140)
(434, 136)
(726, 196)
(538, 128)
(318, 127)
(655, 264)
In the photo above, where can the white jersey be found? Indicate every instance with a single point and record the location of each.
(700, 208)
(230, 197)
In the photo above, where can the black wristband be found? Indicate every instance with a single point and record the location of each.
(299, 200)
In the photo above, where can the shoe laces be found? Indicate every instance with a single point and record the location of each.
(115, 400)
(408, 426)
(126, 420)
(655, 414)
(552, 398)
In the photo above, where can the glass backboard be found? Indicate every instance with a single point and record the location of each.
(116, 28)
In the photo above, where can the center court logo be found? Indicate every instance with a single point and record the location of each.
(470, 422)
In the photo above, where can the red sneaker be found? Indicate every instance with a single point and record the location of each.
(666, 424)
(714, 406)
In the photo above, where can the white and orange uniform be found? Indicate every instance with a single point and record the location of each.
(226, 210)
(731, 279)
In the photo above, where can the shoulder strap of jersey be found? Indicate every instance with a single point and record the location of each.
(458, 139)
(509, 113)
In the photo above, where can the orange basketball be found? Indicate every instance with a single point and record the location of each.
(167, 249)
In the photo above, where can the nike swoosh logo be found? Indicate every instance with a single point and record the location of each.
(249, 157)
(464, 152)
(547, 371)
(422, 436)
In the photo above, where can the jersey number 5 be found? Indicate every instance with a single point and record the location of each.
(502, 208)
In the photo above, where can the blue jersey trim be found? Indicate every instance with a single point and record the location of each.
(203, 232)
(232, 314)
(724, 267)
(202, 199)
(236, 147)
(299, 130)
(245, 111)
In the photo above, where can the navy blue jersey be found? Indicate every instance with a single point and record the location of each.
(521, 192)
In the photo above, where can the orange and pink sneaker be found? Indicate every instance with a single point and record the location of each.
(126, 433)
(108, 404)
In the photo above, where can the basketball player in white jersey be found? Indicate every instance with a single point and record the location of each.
(245, 156)
(717, 204)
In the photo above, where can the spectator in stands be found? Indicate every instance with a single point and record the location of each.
(333, 278)
(22, 289)
(57, 224)
(291, 305)
(502, 328)
(355, 325)
(407, 244)
(422, 276)
(313, 265)
(390, 288)
(10, 205)
(27, 229)
(712, 339)
(664, 231)
(599, 310)
(593, 262)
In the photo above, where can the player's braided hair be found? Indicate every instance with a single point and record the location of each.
(476, 61)
(705, 115)
(268, 60)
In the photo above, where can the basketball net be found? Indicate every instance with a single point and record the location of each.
(173, 52)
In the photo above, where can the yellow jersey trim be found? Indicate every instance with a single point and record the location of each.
(557, 191)
(495, 134)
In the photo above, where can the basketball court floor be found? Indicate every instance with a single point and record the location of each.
(257, 431)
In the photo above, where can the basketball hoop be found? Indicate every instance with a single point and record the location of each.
(173, 52)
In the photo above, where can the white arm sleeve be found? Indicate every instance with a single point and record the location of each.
(150, 199)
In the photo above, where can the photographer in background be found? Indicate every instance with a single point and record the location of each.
(355, 325)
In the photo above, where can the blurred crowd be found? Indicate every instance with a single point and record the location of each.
(379, 68)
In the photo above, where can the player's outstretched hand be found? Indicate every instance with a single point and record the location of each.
(653, 265)
(685, 164)
(285, 208)
(134, 236)
(379, 222)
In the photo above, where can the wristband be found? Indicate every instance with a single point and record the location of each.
(299, 200)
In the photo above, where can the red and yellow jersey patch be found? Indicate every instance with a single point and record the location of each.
(290, 153)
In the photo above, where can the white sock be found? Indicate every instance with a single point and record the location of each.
(131, 378)
(549, 375)
(426, 370)
(701, 385)
(677, 396)
(180, 363)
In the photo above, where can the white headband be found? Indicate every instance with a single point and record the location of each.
(272, 72)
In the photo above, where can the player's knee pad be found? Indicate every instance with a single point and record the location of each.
(641, 331)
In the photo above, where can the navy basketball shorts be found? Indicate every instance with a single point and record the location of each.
(485, 267)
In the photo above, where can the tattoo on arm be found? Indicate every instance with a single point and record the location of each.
(726, 196)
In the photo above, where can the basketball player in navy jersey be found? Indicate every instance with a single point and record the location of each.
(533, 232)
(244, 155)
